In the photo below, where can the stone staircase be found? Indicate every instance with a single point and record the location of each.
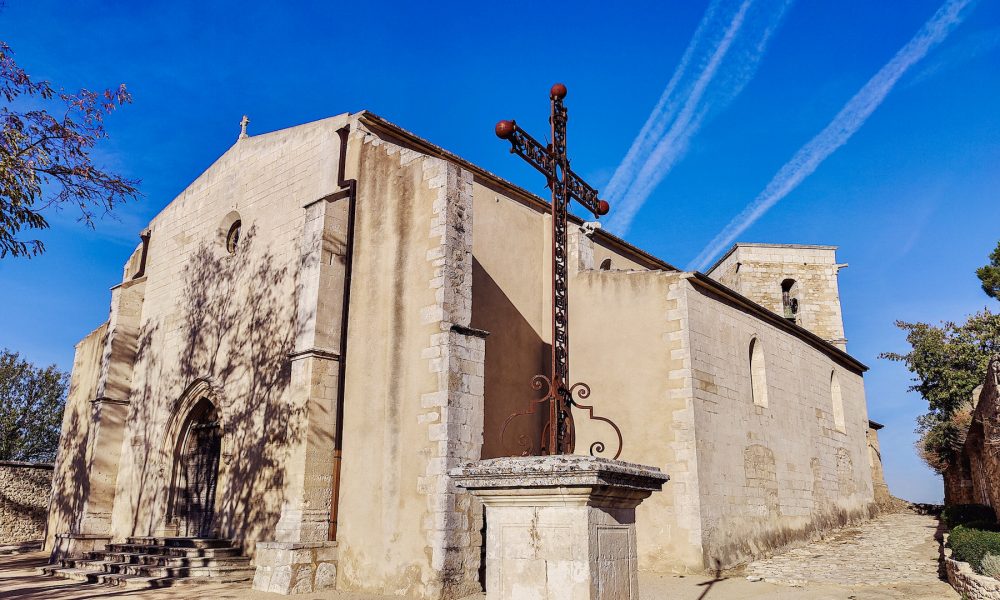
(151, 562)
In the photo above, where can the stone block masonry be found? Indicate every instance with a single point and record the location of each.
(969, 584)
(24, 500)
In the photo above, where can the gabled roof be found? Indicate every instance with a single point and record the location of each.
(384, 126)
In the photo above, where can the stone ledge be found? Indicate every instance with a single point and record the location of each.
(558, 471)
(967, 582)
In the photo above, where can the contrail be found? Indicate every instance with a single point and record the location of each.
(690, 97)
(663, 112)
(850, 118)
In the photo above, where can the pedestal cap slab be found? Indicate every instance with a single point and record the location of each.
(558, 471)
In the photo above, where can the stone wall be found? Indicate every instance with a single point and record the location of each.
(969, 584)
(24, 499)
(758, 270)
(882, 496)
(976, 477)
(773, 472)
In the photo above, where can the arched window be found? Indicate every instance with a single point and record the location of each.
(758, 378)
(838, 403)
(789, 299)
(606, 264)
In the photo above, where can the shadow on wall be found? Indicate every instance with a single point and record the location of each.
(237, 327)
(508, 379)
(70, 477)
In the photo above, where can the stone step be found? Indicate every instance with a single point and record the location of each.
(138, 582)
(65, 572)
(138, 568)
(173, 550)
(155, 562)
(162, 560)
(180, 542)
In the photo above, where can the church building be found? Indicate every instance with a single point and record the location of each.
(333, 316)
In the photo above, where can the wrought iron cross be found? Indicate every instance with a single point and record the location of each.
(559, 434)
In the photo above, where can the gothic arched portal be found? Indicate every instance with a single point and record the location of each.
(196, 471)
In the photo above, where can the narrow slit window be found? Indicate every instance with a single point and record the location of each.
(758, 378)
(837, 400)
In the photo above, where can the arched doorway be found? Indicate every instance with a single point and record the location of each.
(196, 472)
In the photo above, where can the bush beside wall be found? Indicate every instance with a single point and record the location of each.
(969, 584)
(962, 514)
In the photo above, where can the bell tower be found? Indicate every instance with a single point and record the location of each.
(797, 282)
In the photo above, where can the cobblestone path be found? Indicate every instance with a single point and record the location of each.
(895, 548)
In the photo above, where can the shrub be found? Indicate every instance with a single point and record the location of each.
(991, 566)
(982, 525)
(971, 545)
(960, 514)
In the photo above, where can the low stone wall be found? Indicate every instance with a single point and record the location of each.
(24, 501)
(969, 584)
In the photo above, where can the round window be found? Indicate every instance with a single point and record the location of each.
(233, 237)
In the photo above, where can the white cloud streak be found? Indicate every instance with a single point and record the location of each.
(719, 61)
(850, 118)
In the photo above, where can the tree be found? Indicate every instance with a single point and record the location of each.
(990, 274)
(949, 361)
(45, 157)
(31, 408)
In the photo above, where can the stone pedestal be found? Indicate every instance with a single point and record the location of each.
(560, 527)
(295, 567)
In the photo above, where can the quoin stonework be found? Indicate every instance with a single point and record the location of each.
(332, 317)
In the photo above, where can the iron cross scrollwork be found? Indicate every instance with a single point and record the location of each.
(559, 433)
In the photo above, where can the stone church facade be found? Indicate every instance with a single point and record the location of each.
(334, 315)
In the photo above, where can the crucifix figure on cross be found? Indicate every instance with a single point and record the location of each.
(559, 433)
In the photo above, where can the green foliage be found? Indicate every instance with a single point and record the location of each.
(31, 408)
(990, 566)
(990, 274)
(968, 514)
(45, 157)
(949, 361)
(971, 545)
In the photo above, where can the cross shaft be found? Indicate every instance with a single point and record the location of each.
(558, 436)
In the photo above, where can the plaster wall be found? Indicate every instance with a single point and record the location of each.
(629, 343)
(769, 475)
(224, 326)
(70, 478)
(414, 382)
(510, 274)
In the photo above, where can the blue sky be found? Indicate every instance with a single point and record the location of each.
(911, 197)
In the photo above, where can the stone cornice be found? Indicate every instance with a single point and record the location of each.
(557, 471)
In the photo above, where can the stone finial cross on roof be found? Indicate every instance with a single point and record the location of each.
(243, 127)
